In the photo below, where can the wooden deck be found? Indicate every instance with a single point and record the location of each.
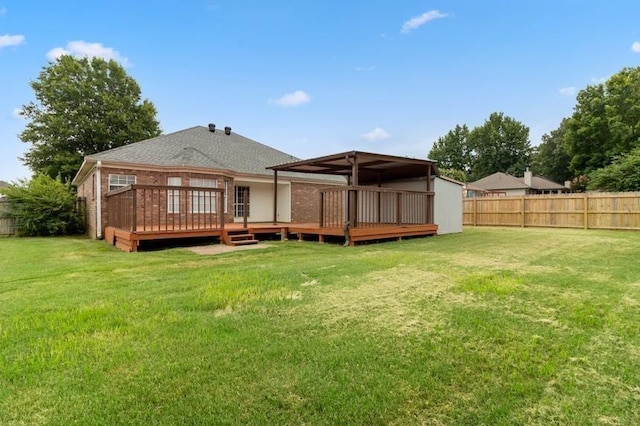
(140, 213)
(130, 241)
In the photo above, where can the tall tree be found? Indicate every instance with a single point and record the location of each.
(451, 151)
(83, 106)
(551, 159)
(501, 144)
(605, 123)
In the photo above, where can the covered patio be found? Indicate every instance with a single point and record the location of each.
(364, 209)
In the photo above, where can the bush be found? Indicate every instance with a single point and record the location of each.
(621, 175)
(44, 206)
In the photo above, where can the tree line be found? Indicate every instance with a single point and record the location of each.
(596, 148)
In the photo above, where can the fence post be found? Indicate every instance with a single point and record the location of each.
(523, 213)
(475, 211)
(586, 211)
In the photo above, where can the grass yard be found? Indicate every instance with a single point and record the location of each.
(492, 326)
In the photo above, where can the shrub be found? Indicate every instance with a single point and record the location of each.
(43, 206)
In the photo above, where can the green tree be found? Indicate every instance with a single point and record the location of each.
(605, 123)
(83, 106)
(501, 144)
(452, 150)
(551, 159)
(587, 137)
(458, 175)
(623, 174)
(43, 206)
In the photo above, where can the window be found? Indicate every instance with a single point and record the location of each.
(203, 201)
(239, 193)
(173, 195)
(120, 181)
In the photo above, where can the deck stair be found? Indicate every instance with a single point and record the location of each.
(238, 237)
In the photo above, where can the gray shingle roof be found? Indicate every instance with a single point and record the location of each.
(201, 148)
(499, 181)
(502, 181)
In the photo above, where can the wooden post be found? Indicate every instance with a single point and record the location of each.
(475, 211)
(245, 207)
(275, 197)
(523, 213)
(321, 215)
(398, 208)
(134, 203)
(221, 207)
(585, 219)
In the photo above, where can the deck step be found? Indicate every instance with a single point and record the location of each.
(237, 237)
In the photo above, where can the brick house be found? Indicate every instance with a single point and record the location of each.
(203, 157)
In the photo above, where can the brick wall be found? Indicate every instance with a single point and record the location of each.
(87, 190)
(305, 202)
(145, 177)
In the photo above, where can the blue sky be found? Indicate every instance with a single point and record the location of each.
(318, 77)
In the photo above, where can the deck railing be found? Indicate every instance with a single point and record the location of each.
(153, 208)
(368, 207)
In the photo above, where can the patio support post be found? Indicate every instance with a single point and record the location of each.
(353, 194)
(430, 198)
(275, 197)
(134, 203)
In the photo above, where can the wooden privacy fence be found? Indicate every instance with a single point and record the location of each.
(7, 224)
(619, 210)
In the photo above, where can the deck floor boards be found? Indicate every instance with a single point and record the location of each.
(129, 241)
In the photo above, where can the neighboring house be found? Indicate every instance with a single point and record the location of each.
(503, 184)
(203, 157)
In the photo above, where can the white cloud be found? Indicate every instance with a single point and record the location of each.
(81, 49)
(11, 40)
(17, 114)
(568, 91)
(420, 20)
(376, 134)
(296, 98)
(636, 47)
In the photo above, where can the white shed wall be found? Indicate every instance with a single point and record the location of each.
(448, 206)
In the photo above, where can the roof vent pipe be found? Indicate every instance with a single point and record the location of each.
(227, 130)
(212, 127)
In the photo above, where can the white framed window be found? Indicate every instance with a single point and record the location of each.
(239, 193)
(120, 181)
(203, 201)
(173, 195)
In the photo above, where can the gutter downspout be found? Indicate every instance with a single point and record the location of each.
(99, 200)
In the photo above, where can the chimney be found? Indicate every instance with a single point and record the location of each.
(212, 127)
(527, 177)
(227, 130)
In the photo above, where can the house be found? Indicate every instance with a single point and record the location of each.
(229, 169)
(503, 184)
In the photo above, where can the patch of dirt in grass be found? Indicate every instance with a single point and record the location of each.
(392, 300)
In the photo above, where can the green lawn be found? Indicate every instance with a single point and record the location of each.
(492, 326)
